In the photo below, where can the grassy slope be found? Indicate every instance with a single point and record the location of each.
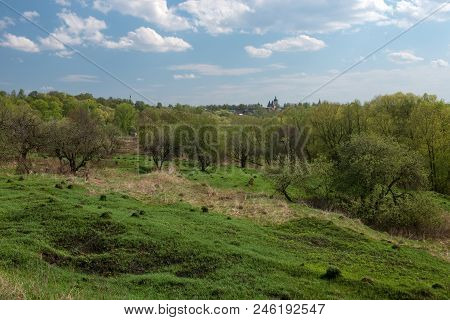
(55, 243)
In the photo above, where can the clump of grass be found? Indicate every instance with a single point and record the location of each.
(58, 186)
(70, 186)
(103, 197)
(106, 215)
(205, 209)
(437, 286)
(367, 280)
(332, 273)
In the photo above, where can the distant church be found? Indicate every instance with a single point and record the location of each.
(273, 105)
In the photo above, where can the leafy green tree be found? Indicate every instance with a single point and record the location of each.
(430, 126)
(334, 124)
(125, 117)
(48, 110)
(377, 172)
(369, 161)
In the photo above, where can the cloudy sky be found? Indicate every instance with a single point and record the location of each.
(224, 51)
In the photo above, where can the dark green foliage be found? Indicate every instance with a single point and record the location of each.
(135, 215)
(437, 286)
(103, 197)
(332, 273)
(106, 215)
(205, 209)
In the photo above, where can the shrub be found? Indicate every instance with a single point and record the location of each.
(415, 215)
(331, 273)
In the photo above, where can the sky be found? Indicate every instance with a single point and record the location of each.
(224, 51)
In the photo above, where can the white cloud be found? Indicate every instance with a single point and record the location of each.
(262, 16)
(299, 43)
(217, 16)
(64, 53)
(31, 15)
(18, 43)
(408, 12)
(153, 11)
(214, 70)
(79, 78)
(293, 16)
(184, 76)
(64, 3)
(257, 16)
(46, 89)
(378, 5)
(6, 22)
(74, 31)
(293, 44)
(148, 40)
(439, 63)
(404, 57)
(82, 31)
(258, 52)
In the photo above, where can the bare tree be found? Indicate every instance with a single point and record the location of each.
(77, 140)
(159, 144)
(22, 133)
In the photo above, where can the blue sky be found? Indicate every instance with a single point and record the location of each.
(225, 51)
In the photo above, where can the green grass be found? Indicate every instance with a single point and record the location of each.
(57, 242)
(230, 177)
(443, 201)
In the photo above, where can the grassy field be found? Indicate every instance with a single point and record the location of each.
(194, 235)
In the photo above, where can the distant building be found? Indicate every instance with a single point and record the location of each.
(273, 105)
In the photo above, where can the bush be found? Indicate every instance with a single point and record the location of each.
(331, 273)
(415, 215)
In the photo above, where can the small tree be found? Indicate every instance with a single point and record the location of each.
(77, 140)
(111, 142)
(378, 173)
(125, 117)
(23, 133)
(158, 143)
(245, 144)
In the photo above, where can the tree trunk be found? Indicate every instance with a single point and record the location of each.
(22, 163)
(243, 162)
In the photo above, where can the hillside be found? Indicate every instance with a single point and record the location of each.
(191, 235)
